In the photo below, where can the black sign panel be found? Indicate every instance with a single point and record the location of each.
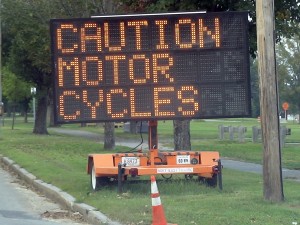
(151, 66)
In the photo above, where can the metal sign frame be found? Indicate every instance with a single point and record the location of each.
(191, 65)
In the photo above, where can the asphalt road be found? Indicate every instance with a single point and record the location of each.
(256, 168)
(21, 206)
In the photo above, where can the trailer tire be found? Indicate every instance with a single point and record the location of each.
(94, 180)
(167, 176)
(209, 182)
(97, 182)
(188, 176)
(212, 182)
(201, 179)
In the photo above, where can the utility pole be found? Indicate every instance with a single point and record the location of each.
(272, 171)
(1, 103)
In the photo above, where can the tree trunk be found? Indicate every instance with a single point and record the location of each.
(109, 127)
(25, 105)
(14, 116)
(108, 6)
(50, 113)
(40, 123)
(8, 108)
(133, 127)
(182, 140)
(109, 135)
(25, 117)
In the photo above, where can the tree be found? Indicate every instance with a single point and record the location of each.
(109, 127)
(288, 57)
(27, 41)
(16, 91)
(254, 88)
(109, 135)
(181, 135)
(29, 53)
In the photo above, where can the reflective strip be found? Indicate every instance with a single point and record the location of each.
(154, 188)
(156, 201)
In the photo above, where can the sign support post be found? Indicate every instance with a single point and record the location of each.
(285, 107)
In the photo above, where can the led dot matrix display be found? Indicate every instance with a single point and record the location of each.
(151, 66)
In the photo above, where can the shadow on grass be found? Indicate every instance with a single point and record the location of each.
(175, 185)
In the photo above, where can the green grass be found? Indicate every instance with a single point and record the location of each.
(61, 160)
(204, 136)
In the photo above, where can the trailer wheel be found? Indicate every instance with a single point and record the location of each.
(94, 180)
(167, 176)
(212, 182)
(201, 179)
(97, 182)
(188, 176)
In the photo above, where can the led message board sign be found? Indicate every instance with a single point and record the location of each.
(151, 66)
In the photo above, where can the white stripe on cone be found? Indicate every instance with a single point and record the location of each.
(154, 189)
(156, 201)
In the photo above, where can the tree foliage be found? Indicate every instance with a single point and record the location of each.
(254, 82)
(288, 58)
(26, 24)
(287, 12)
(26, 40)
(15, 89)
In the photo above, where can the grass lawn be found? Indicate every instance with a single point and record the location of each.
(204, 136)
(61, 160)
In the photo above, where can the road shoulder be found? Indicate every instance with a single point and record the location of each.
(79, 211)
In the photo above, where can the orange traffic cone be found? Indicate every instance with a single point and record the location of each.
(158, 215)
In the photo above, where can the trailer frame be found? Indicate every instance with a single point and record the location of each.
(204, 164)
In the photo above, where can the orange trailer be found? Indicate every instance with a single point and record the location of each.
(119, 166)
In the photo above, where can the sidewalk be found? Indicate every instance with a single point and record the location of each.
(227, 163)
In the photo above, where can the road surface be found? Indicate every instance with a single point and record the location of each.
(21, 206)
